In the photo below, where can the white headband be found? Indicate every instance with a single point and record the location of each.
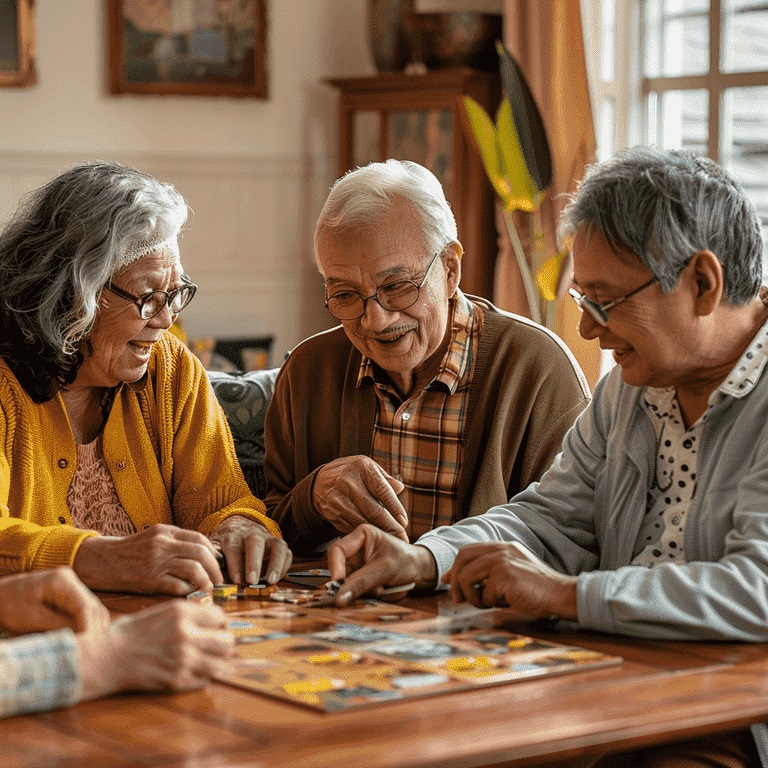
(138, 250)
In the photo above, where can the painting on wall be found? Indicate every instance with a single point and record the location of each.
(188, 47)
(17, 43)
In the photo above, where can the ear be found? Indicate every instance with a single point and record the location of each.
(452, 261)
(706, 277)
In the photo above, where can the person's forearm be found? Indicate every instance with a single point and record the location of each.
(40, 672)
(425, 568)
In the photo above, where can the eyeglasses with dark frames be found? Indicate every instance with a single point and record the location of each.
(599, 312)
(154, 302)
(394, 297)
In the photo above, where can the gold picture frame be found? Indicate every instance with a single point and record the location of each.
(17, 43)
(187, 47)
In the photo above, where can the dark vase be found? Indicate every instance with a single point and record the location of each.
(389, 46)
(399, 36)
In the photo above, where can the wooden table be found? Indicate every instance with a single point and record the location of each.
(663, 691)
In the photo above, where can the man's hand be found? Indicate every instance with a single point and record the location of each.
(492, 575)
(354, 490)
(248, 547)
(376, 560)
(174, 646)
(52, 599)
(162, 558)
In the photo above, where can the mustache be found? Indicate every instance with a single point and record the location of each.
(390, 333)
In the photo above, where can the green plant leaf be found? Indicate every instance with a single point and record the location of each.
(528, 120)
(484, 133)
(522, 186)
(548, 276)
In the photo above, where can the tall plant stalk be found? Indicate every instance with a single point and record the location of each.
(531, 293)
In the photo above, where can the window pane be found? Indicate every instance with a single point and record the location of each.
(745, 145)
(676, 37)
(608, 41)
(678, 120)
(365, 132)
(745, 35)
(606, 128)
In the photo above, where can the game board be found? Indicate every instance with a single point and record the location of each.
(372, 652)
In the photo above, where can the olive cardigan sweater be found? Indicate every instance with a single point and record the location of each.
(166, 443)
(526, 391)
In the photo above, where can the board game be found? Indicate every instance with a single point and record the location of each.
(372, 652)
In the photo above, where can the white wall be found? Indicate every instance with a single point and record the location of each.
(255, 172)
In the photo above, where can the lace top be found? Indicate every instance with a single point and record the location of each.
(92, 498)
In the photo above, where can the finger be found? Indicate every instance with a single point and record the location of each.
(254, 557)
(187, 572)
(344, 549)
(375, 514)
(280, 558)
(76, 606)
(375, 480)
(361, 582)
(186, 535)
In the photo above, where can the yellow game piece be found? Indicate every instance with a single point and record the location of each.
(310, 686)
(471, 662)
(341, 657)
(224, 591)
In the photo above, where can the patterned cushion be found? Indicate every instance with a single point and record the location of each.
(244, 398)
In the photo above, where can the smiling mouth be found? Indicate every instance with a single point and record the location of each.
(141, 346)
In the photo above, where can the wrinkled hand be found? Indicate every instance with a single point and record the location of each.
(354, 490)
(249, 547)
(51, 599)
(174, 646)
(161, 559)
(376, 560)
(489, 575)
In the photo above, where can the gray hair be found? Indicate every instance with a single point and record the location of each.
(667, 205)
(364, 196)
(64, 243)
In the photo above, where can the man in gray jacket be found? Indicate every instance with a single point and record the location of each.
(653, 520)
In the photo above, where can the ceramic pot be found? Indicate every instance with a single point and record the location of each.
(399, 36)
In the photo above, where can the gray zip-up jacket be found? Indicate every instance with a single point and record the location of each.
(584, 516)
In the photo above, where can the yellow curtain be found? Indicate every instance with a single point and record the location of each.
(545, 37)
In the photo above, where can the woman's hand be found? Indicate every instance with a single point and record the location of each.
(43, 600)
(161, 559)
(497, 574)
(174, 646)
(249, 549)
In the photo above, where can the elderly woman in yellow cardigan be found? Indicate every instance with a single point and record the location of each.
(115, 457)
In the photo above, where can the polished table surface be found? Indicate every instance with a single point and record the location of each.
(663, 691)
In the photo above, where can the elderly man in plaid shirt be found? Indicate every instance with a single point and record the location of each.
(426, 405)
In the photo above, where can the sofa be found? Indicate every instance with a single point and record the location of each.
(244, 398)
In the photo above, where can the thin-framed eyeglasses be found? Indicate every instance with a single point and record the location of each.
(154, 302)
(394, 297)
(599, 312)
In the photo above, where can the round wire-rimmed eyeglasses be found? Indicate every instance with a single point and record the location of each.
(394, 297)
(154, 302)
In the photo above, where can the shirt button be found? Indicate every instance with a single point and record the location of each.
(406, 416)
(121, 465)
(62, 520)
(675, 520)
(146, 525)
(63, 463)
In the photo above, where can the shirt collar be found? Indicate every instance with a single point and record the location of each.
(746, 373)
(455, 367)
(738, 383)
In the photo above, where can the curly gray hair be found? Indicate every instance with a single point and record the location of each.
(64, 243)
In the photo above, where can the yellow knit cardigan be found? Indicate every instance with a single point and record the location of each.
(166, 443)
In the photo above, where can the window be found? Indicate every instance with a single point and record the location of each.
(689, 74)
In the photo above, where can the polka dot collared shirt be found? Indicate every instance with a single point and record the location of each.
(661, 535)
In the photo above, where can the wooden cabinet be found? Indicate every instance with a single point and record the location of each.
(419, 117)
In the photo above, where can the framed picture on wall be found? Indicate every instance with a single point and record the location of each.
(17, 43)
(188, 47)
